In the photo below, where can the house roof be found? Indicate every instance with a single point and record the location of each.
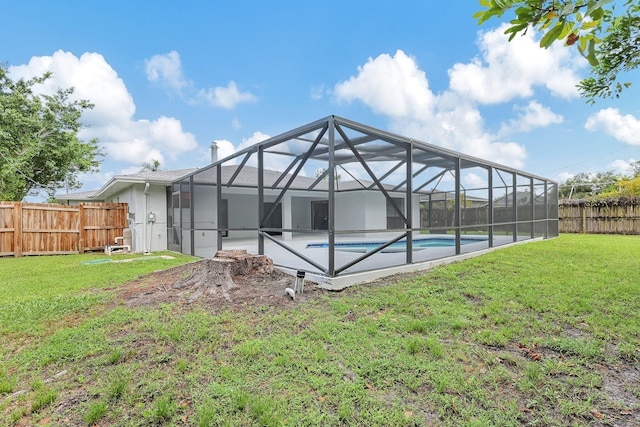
(247, 176)
(120, 182)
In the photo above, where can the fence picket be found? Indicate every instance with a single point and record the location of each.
(47, 229)
(603, 217)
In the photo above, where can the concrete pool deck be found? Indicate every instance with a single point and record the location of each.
(374, 267)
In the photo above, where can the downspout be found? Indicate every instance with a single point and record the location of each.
(144, 217)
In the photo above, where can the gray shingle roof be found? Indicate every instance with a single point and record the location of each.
(119, 181)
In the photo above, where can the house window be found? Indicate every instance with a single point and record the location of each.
(394, 219)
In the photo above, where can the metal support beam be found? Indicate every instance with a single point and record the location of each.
(533, 208)
(370, 253)
(260, 199)
(458, 206)
(331, 222)
(238, 169)
(438, 177)
(490, 213)
(392, 170)
(514, 201)
(284, 174)
(399, 186)
(409, 203)
(191, 217)
(546, 209)
(219, 205)
(296, 253)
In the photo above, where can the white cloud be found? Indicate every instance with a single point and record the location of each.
(166, 70)
(395, 87)
(507, 70)
(564, 176)
(236, 124)
(622, 167)
(111, 120)
(317, 92)
(473, 180)
(271, 161)
(225, 97)
(254, 139)
(532, 116)
(390, 85)
(623, 128)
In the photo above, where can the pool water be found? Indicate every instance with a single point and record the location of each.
(399, 246)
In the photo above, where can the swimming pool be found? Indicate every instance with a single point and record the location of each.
(401, 245)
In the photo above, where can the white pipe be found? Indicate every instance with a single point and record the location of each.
(150, 234)
(290, 292)
(144, 217)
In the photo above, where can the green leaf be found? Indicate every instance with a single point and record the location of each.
(568, 28)
(591, 6)
(552, 35)
(568, 9)
(597, 14)
(588, 25)
(591, 56)
(483, 17)
(582, 46)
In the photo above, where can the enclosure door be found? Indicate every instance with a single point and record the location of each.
(320, 215)
(173, 221)
(275, 220)
(224, 216)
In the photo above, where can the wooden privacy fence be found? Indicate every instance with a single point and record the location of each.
(48, 229)
(609, 216)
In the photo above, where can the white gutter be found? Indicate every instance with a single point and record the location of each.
(144, 217)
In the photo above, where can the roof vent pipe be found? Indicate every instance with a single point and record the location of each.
(214, 152)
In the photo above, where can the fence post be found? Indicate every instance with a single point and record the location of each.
(17, 229)
(82, 234)
(584, 219)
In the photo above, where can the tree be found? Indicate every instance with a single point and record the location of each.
(610, 41)
(152, 166)
(588, 184)
(39, 144)
(322, 172)
(625, 188)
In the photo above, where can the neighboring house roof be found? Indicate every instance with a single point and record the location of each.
(449, 196)
(523, 197)
(79, 196)
(120, 182)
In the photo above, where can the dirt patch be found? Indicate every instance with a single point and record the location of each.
(254, 290)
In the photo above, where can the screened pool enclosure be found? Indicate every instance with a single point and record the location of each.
(344, 201)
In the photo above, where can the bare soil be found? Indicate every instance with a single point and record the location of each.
(253, 290)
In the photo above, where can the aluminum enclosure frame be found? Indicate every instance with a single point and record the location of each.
(424, 190)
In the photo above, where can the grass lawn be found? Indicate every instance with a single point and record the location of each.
(542, 334)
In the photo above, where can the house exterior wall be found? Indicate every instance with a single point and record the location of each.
(301, 212)
(350, 209)
(146, 236)
(205, 208)
(367, 210)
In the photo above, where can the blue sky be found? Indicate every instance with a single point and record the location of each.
(167, 78)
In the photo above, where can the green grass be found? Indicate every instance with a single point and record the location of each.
(538, 334)
(58, 288)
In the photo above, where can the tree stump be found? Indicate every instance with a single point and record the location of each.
(221, 273)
